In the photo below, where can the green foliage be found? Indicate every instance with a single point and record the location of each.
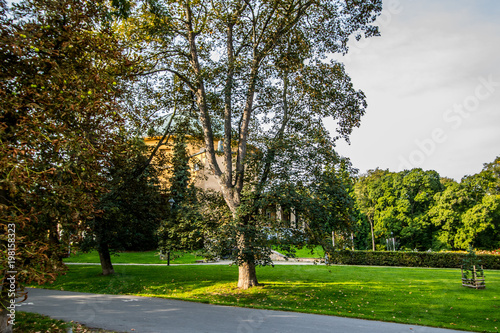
(183, 228)
(480, 224)
(447, 213)
(265, 96)
(471, 265)
(332, 208)
(423, 211)
(304, 214)
(362, 233)
(467, 213)
(132, 208)
(179, 182)
(410, 259)
(61, 65)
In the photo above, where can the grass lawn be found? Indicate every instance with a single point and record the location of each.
(317, 252)
(432, 297)
(151, 257)
(148, 257)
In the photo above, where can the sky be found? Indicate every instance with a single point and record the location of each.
(432, 82)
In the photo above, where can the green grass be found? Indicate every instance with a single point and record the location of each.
(152, 257)
(149, 257)
(27, 322)
(317, 252)
(432, 297)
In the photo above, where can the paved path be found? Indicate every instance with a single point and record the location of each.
(155, 315)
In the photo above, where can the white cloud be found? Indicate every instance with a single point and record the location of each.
(429, 58)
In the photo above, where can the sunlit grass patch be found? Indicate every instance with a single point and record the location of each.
(433, 297)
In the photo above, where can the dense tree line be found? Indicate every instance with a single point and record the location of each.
(422, 210)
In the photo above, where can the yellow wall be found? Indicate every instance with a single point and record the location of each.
(204, 179)
(200, 170)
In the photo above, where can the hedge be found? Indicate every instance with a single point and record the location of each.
(410, 259)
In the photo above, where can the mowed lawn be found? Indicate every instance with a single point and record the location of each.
(152, 257)
(433, 297)
(147, 257)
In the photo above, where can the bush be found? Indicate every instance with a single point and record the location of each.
(410, 259)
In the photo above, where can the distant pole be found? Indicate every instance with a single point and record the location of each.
(171, 202)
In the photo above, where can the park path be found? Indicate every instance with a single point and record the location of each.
(137, 314)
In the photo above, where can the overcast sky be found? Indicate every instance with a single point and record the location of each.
(432, 81)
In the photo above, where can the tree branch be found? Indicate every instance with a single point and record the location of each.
(271, 153)
(200, 93)
(165, 137)
(228, 107)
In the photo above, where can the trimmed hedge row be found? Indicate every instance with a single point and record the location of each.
(410, 259)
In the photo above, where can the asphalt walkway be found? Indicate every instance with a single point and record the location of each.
(155, 315)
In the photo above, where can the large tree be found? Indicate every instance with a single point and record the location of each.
(131, 208)
(259, 70)
(367, 191)
(331, 212)
(397, 205)
(468, 213)
(59, 119)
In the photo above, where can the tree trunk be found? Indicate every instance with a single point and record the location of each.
(5, 326)
(247, 276)
(105, 257)
(373, 236)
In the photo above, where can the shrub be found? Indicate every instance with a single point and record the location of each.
(410, 259)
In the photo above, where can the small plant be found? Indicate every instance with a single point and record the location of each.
(472, 271)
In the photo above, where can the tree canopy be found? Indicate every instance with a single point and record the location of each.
(257, 72)
(424, 211)
(61, 66)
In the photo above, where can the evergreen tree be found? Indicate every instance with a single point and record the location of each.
(182, 228)
(131, 210)
(472, 271)
(181, 176)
